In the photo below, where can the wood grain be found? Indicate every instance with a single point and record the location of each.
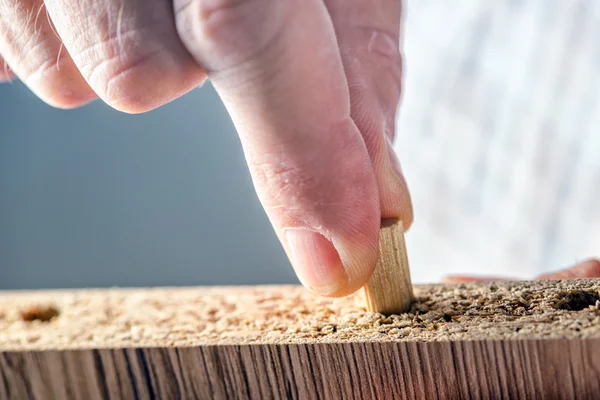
(549, 369)
(389, 290)
(502, 340)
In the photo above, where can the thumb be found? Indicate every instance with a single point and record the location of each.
(277, 68)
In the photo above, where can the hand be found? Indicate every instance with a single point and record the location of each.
(312, 87)
(585, 269)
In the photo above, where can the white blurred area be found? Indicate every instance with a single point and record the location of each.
(499, 135)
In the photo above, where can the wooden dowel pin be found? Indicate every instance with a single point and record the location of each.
(389, 290)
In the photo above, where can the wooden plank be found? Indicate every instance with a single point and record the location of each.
(484, 341)
(183, 377)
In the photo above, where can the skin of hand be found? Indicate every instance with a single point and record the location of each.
(311, 85)
(585, 269)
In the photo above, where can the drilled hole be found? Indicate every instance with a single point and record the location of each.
(40, 313)
(577, 301)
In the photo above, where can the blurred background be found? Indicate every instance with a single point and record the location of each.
(498, 133)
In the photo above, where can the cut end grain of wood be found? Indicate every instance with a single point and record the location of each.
(389, 290)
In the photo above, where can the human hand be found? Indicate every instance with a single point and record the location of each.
(586, 269)
(312, 87)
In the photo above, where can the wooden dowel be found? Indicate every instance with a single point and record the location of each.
(389, 290)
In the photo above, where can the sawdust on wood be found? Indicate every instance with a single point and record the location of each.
(289, 314)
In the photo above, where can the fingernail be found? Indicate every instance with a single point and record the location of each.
(316, 261)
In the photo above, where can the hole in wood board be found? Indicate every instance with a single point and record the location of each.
(40, 313)
(577, 301)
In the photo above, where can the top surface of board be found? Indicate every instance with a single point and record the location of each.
(164, 317)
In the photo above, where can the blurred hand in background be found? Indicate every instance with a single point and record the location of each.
(586, 269)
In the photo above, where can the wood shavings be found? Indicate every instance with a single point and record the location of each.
(289, 314)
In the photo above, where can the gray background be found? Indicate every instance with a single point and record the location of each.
(93, 197)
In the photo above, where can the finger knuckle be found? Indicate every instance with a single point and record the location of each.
(57, 82)
(38, 59)
(116, 67)
(384, 43)
(381, 50)
(222, 34)
(387, 47)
